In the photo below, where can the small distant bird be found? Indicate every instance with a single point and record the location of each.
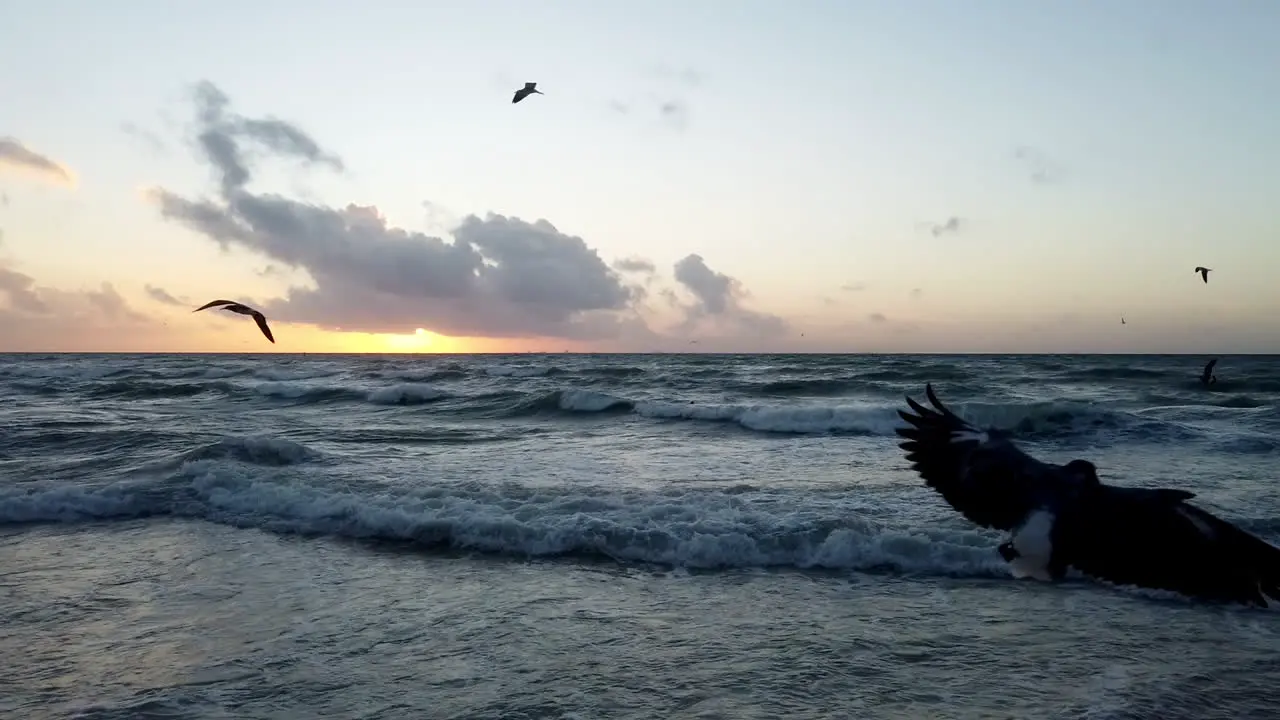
(241, 309)
(526, 91)
(1122, 322)
(1204, 272)
(1207, 377)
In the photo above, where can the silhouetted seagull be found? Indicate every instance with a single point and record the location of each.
(1204, 272)
(1122, 322)
(241, 309)
(1063, 516)
(1207, 377)
(524, 92)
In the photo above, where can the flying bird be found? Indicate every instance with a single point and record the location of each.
(1122, 322)
(241, 309)
(1207, 377)
(1063, 516)
(1204, 272)
(524, 92)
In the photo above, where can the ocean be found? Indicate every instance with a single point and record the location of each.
(597, 536)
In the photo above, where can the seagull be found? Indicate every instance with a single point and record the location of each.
(1204, 272)
(1207, 377)
(241, 309)
(1122, 322)
(524, 92)
(1063, 516)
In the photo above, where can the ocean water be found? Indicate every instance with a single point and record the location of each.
(596, 536)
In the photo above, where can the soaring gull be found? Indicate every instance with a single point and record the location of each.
(1063, 516)
(1204, 272)
(241, 309)
(524, 92)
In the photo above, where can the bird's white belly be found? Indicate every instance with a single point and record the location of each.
(1034, 546)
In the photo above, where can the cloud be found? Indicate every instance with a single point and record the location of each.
(161, 295)
(675, 113)
(877, 317)
(38, 317)
(1041, 169)
(145, 137)
(916, 293)
(491, 276)
(638, 266)
(828, 301)
(16, 155)
(718, 297)
(952, 225)
(854, 287)
(682, 76)
(669, 103)
(498, 277)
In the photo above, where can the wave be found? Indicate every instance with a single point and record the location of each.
(859, 418)
(704, 530)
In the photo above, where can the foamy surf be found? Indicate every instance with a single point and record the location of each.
(697, 530)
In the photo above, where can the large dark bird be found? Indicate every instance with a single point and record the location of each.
(1207, 377)
(1204, 272)
(524, 92)
(241, 309)
(1063, 516)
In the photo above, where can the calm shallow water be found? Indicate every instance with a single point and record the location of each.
(586, 536)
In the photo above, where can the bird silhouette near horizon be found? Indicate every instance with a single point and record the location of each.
(1207, 377)
(1204, 272)
(530, 88)
(241, 309)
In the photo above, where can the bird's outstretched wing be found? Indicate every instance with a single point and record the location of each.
(1208, 368)
(1154, 539)
(214, 303)
(980, 473)
(262, 325)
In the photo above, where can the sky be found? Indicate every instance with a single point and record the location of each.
(712, 175)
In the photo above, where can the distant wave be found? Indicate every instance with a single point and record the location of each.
(834, 416)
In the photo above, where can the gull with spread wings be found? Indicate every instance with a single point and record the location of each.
(242, 309)
(1063, 516)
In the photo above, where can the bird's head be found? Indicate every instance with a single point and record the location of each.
(1083, 470)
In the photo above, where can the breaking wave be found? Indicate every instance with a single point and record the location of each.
(735, 528)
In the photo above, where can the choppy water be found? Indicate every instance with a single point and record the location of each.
(572, 536)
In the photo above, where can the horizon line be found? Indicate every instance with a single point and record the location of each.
(646, 352)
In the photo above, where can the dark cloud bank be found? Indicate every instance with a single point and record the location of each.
(497, 277)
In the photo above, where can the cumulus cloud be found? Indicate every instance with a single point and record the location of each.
(15, 155)
(33, 316)
(718, 297)
(162, 296)
(497, 276)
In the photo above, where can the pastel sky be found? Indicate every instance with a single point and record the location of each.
(844, 176)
